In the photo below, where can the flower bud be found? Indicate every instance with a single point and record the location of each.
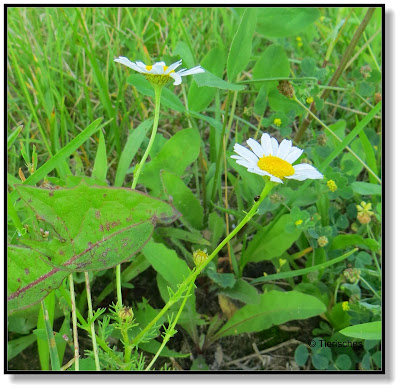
(199, 257)
(126, 314)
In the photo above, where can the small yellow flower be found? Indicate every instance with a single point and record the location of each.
(364, 212)
(199, 257)
(345, 306)
(278, 122)
(299, 41)
(282, 262)
(298, 222)
(309, 100)
(322, 241)
(331, 185)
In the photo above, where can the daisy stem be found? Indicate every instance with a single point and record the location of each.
(138, 169)
(157, 93)
(191, 278)
(340, 140)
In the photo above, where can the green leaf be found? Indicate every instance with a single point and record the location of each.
(100, 163)
(343, 241)
(90, 228)
(272, 63)
(224, 280)
(281, 22)
(208, 79)
(183, 199)
(366, 189)
(15, 346)
(268, 244)
(241, 47)
(343, 362)
(301, 355)
(199, 97)
(13, 136)
(371, 330)
(216, 226)
(274, 308)
(175, 156)
(242, 291)
(132, 145)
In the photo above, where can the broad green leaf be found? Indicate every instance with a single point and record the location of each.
(132, 145)
(371, 330)
(90, 228)
(100, 163)
(182, 50)
(175, 156)
(301, 355)
(273, 243)
(168, 98)
(15, 346)
(272, 63)
(183, 199)
(199, 97)
(366, 189)
(274, 308)
(241, 47)
(216, 226)
(281, 22)
(278, 102)
(242, 291)
(209, 79)
(172, 271)
(343, 241)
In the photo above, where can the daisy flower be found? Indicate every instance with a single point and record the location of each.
(274, 160)
(159, 73)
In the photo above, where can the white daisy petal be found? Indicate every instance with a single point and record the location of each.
(177, 78)
(173, 66)
(266, 144)
(259, 172)
(157, 68)
(162, 63)
(125, 61)
(256, 147)
(245, 153)
(294, 154)
(275, 146)
(195, 70)
(284, 149)
(244, 163)
(276, 179)
(142, 66)
(306, 170)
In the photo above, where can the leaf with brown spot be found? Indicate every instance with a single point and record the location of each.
(90, 228)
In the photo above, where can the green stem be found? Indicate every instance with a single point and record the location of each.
(90, 312)
(295, 273)
(219, 156)
(190, 279)
(340, 140)
(370, 287)
(55, 362)
(157, 93)
(74, 321)
(170, 331)
(137, 171)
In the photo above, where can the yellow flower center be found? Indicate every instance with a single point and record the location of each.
(298, 222)
(278, 122)
(275, 166)
(149, 67)
(331, 185)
